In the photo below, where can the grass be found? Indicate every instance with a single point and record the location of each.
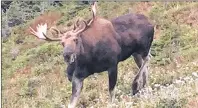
(36, 78)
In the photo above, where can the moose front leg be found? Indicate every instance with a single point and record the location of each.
(80, 73)
(77, 85)
(112, 73)
(70, 71)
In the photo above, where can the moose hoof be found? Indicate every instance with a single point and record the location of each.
(136, 87)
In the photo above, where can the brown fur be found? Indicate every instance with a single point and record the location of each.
(93, 34)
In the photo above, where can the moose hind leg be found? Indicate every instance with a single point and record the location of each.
(112, 73)
(145, 68)
(138, 59)
(142, 76)
(145, 73)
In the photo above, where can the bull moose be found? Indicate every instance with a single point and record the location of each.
(98, 45)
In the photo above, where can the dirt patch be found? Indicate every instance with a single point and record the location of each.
(20, 73)
(193, 103)
(187, 16)
(25, 70)
(157, 32)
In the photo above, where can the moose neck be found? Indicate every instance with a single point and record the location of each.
(80, 47)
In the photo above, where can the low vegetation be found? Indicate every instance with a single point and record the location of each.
(33, 71)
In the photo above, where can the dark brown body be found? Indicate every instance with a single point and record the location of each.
(98, 45)
(100, 48)
(104, 46)
(105, 43)
(135, 33)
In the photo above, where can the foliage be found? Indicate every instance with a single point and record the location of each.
(20, 12)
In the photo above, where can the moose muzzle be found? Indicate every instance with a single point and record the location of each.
(69, 55)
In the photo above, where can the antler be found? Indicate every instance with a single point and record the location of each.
(84, 25)
(55, 29)
(77, 29)
(41, 31)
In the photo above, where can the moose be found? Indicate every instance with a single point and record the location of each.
(99, 44)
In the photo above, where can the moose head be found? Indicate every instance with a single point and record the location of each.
(70, 39)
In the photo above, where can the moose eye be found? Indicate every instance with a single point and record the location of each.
(76, 40)
(62, 43)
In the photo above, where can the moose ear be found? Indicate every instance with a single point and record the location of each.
(93, 8)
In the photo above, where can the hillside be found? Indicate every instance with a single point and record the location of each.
(33, 71)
